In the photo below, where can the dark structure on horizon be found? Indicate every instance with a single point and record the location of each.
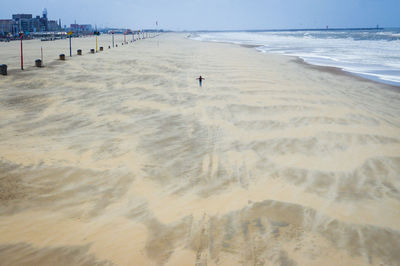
(27, 23)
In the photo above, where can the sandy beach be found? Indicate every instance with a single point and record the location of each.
(120, 158)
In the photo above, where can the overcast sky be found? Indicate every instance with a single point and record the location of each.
(214, 14)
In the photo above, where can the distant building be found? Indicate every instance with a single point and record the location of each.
(6, 26)
(53, 26)
(24, 22)
(21, 16)
(27, 23)
(81, 29)
(38, 26)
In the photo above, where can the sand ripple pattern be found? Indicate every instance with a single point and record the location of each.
(119, 158)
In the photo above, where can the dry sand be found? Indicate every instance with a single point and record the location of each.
(120, 158)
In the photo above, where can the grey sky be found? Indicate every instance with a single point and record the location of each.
(215, 14)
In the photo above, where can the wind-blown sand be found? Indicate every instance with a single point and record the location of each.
(120, 158)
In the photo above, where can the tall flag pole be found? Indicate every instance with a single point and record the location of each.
(97, 33)
(70, 46)
(21, 35)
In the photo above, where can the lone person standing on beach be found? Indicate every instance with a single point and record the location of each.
(200, 80)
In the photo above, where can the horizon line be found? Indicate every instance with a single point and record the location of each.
(289, 29)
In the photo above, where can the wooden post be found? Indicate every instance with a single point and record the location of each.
(3, 70)
(38, 63)
(70, 48)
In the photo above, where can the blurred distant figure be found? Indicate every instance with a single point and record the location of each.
(200, 80)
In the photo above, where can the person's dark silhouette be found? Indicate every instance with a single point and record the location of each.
(200, 80)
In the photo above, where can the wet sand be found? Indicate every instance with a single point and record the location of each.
(120, 158)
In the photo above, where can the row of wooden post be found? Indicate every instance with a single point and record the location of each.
(78, 52)
(39, 62)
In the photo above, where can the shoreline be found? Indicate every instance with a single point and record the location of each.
(341, 72)
(331, 69)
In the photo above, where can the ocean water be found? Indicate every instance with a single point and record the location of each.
(373, 54)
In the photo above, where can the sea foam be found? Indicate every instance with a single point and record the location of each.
(373, 54)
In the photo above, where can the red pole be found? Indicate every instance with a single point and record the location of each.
(22, 57)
